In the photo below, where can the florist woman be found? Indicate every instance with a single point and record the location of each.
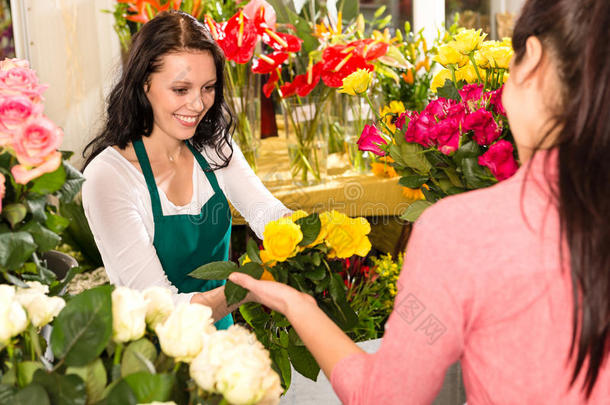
(160, 175)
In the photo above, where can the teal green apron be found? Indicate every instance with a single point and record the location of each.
(185, 242)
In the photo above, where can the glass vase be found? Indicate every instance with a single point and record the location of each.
(357, 114)
(307, 124)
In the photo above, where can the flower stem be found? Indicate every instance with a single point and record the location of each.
(117, 353)
(476, 68)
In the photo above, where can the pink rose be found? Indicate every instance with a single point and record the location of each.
(15, 110)
(471, 92)
(421, 129)
(23, 175)
(495, 100)
(483, 125)
(8, 63)
(370, 140)
(447, 135)
(500, 160)
(458, 112)
(19, 80)
(439, 107)
(254, 6)
(6, 137)
(2, 189)
(36, 140)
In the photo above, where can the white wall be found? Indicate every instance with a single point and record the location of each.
(74, 49)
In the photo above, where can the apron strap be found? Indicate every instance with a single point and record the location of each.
(149, 177)
(206, 168)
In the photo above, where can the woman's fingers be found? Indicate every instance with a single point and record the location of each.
(242, 279)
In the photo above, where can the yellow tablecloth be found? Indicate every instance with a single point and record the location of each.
(344, 189)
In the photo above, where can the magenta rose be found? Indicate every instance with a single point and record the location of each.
(482, 124)
(402, 119)
(20, 80)
(458, 112)
(439, 107)
(495, 100)
(36, 140)
(421, 129)
(16, 110)
(370, 139)
(2, 189)
(471, 92)
(447, 135)
(500, 160)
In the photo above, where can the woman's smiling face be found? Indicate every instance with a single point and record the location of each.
(181, 92)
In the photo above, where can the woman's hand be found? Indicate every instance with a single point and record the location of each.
(274, 295)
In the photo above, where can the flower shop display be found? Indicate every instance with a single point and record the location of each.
(461, 140)
(305, 252)
(34, 178)
(119, 345)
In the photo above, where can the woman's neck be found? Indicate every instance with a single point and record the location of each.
(164, 148)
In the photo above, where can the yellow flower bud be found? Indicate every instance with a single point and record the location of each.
(357, 83)
(468, 41)
(499, 56)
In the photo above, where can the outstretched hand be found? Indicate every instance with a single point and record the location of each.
(277, 296)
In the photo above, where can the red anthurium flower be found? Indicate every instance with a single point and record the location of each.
(266, 63)
(217, 30)
(303, 84)
(339, 61)
(370, 49)
(288, 90)
(281, 41)
(262, 13)
(270, 85)
(239, 39)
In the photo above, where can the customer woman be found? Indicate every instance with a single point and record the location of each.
(512, 281)
(160, 175)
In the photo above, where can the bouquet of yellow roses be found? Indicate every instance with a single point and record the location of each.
(303, 251)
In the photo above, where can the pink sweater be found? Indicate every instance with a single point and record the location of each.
(482, 286)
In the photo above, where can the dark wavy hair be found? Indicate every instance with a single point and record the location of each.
(129, 115)
(576, 32)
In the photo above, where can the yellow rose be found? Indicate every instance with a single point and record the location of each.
(468, 74)
(265, 258)
(468, 41)
(507, 41)
(347, 236)
(281, 238)
(267, 276)
(413, 194)
(499, 56)
(439, 79)
(449, 55)
(357, 83)
(296, 215)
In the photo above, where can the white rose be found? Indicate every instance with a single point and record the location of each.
(13, 319)
(128, 314)
(41, 308)
(237, 365)
(182, 335)
(159, 305)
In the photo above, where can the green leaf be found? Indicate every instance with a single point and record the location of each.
(73, 182)
(253, 314)
(56, 223)
(62, 389)
(281, 364)
(214, 271)
(415, 181)
(468, 150)
(49, 183)
(449, 91)
(310, 227)
(337, 288)
(340, 312)
(73, 271)
(235, 293)
(83, 328)
(303, 361)
(295, 340)
(415, 210)
(316, 274)
(15, 249)
(43, 237)
(7, 392)
(298, 281)
(476, 176)
(253, 251)
(149, 387)
(94, 376)
(414, 157)
(78, 233)
(119, 393)
(32, 394)
(14, 213)
(139, 356)
(453, 176)
(26, 372)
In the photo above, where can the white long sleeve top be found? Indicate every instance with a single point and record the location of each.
(117, 205)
